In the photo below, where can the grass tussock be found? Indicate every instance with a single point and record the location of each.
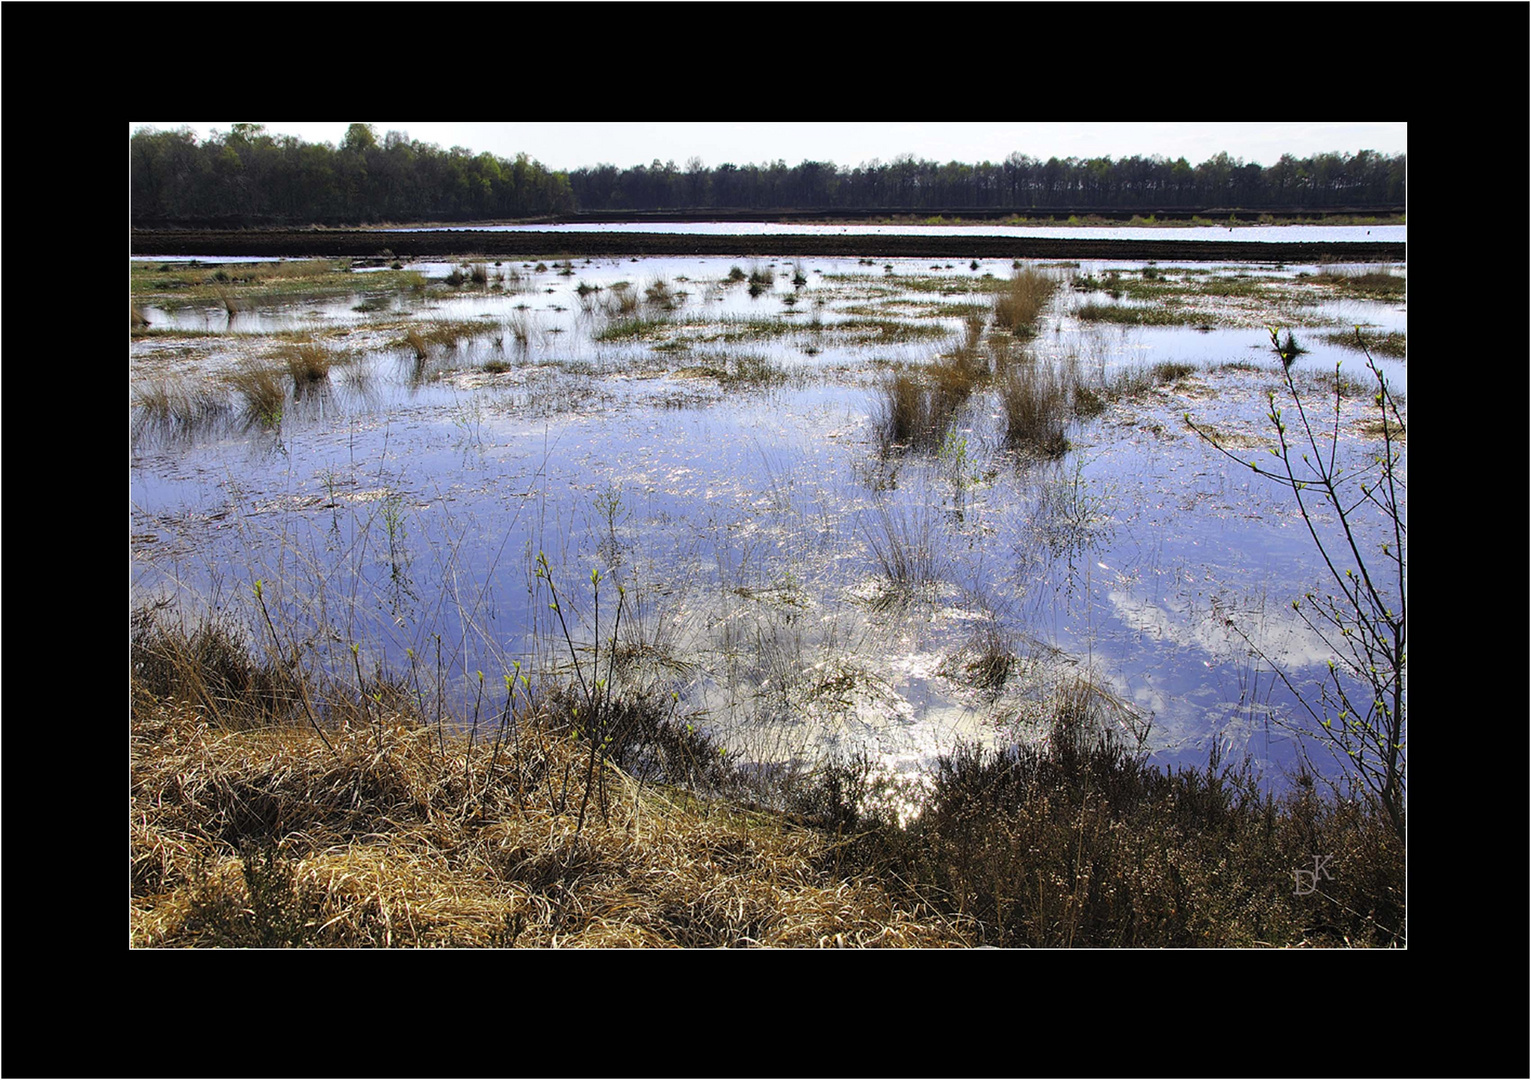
(912, 412)
(902, 545)
(1018, 307)
(761, 280)
(262, 388)
(308, 360)
(1394, 344)
(660, 297)
(915, 408)
(176, 407)
(422, 339)
(1037, 401)
(621, 302)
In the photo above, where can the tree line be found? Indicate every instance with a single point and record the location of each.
(1019, 182)
(248, 175)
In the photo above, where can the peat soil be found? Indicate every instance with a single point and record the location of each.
(366, 244)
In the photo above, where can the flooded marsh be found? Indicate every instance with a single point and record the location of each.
(841, 505)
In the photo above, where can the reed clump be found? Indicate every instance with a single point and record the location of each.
(176, 407)
(1037, 403)
(1021, 303)
(308, 360)
(262, 387)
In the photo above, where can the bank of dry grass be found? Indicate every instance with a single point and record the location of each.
(272, 808)
(249, 828)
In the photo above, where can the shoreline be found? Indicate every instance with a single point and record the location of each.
(357, 243)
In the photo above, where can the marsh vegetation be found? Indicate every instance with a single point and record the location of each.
(668, 602)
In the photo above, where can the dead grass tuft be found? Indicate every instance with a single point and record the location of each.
(308, 361)
(1018, 307)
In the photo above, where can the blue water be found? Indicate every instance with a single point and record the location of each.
(742, 521)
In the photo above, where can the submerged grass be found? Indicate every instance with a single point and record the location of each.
(1393, 344)
(634, 329)
(178, 284)
(1131, 315)
(875, 331)
(249, 825)
(1132, 381)
(1364, 283)
(738, 369)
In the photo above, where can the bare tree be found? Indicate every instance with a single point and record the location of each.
(1362, 618)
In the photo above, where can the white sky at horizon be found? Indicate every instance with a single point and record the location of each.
(572, 145)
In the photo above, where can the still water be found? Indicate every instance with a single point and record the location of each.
(723, 469)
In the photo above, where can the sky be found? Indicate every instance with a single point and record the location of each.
(571, 145)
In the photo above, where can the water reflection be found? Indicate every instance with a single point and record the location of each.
(801, 590)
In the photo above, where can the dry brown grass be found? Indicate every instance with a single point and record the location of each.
(263, 390)
(1023, 300)
(308, 360)
(1035, 398)
(265, 837)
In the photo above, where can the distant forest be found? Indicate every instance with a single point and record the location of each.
(251, 177)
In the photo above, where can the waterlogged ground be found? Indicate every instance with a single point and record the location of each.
(697, 457)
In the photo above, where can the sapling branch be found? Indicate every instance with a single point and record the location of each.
(1358, 623)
